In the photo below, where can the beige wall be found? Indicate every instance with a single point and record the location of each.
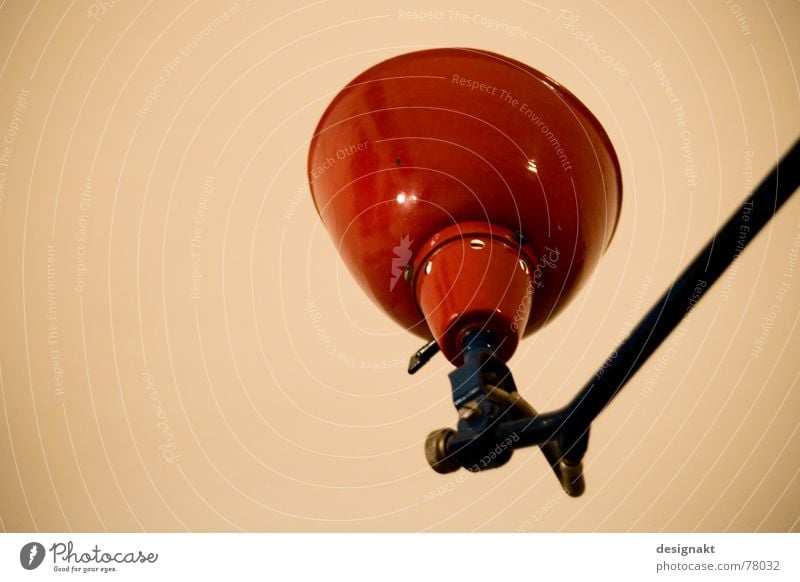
(275, 397)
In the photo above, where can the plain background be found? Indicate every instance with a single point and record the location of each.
(276, 398)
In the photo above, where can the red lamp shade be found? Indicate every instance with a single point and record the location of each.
(465, 190)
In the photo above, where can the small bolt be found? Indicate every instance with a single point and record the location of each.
(408, 272)
(470, 411)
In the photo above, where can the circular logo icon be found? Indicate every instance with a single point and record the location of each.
(31, 555)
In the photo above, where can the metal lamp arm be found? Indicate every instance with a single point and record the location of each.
(563, 434)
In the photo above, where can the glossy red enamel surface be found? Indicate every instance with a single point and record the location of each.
(444, 137)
